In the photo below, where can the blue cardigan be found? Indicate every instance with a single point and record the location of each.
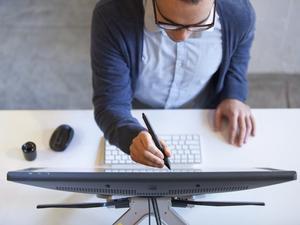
(116, 49)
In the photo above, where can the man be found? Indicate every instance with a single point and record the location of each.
(170, 54)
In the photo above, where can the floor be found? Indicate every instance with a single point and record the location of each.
(45, 63)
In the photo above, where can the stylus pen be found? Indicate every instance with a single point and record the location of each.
(155, 139)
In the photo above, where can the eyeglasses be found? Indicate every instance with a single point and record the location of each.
(191, 27)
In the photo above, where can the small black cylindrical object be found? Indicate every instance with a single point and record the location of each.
(29, 151)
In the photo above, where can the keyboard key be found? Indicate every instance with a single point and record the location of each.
(196, 137)
(175, 137)
(191, 142)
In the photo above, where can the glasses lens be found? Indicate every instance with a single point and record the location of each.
(194, 29)
(168, 26)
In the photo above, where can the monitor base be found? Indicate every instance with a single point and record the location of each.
(139, 208)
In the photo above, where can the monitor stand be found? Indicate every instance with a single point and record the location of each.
(139, 209)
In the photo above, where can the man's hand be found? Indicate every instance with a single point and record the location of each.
(241, 120)
(144, 151)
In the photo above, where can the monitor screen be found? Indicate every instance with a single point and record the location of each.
(150, 182)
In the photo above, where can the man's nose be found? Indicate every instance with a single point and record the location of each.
(181, 35)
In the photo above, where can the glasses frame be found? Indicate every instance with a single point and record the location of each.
(200, 25)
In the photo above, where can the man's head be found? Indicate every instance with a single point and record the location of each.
(184, 12)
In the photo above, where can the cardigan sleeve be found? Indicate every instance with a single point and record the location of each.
(112, 89)
(236, 82)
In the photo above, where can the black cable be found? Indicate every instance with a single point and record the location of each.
(156, 211)
(149, 211)
(118, 203)
(181, 203)
(77, 205)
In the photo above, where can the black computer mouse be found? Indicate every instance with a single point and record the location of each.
(61, 138)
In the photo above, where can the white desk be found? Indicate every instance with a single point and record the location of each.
(276, 145)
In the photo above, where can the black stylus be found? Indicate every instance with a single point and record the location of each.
(155, 139)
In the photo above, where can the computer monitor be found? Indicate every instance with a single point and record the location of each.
(150, 183)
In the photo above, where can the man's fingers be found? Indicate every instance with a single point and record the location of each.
(155, 151)
(241, 120)
(253, 131)
(167, 151)
(149, 145)
(153, 160)
(242, 130)
(218, 119)
(144, 151)
(233, 128)
(140, 155)
(249, 128)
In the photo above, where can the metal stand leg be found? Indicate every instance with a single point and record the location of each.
(139, 209)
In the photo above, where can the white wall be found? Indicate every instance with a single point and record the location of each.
(277, 45)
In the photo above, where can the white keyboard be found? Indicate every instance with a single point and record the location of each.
(186, 150)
